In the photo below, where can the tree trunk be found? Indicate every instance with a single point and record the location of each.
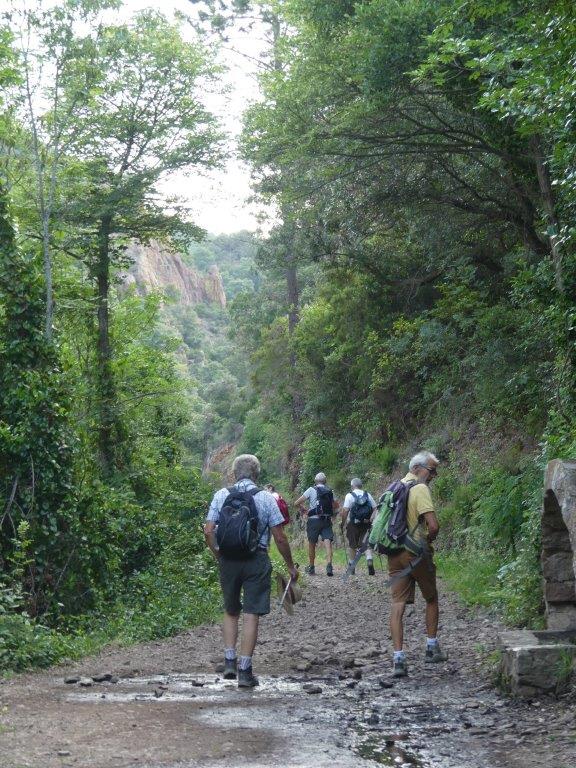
(49, 319)
(104, 377)
(293, 293)
(549, 205)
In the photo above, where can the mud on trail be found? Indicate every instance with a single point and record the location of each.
(326, 698)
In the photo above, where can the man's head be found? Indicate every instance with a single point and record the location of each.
(355, 483)
(425, 466)
(320, 478)
(246, 467)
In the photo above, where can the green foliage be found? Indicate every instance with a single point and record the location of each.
(319, 454)
(34, 437)
(25, 644)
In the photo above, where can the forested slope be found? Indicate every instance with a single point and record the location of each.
(420, 283)
(416, 288)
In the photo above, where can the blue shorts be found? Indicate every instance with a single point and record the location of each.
(319, 526)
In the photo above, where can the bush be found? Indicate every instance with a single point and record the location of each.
(25, 644)
(319, 454)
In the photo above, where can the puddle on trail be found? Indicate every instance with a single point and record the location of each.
(197, 688)
(389, 753)
(367, 724)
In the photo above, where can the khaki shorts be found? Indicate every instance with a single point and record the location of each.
(404, 589)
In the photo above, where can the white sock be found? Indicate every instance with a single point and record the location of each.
(230, 654)
(245, 662)
(431, 642)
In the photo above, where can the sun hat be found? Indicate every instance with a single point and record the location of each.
(293, 596)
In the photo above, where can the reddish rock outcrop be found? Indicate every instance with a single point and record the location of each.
(157, 268)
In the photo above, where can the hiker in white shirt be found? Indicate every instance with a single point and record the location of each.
(356, 515)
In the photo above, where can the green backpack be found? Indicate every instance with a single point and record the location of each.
(390, 534)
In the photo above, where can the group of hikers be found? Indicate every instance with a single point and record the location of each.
(243, 518)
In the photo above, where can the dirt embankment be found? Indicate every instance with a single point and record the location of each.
(326, 698)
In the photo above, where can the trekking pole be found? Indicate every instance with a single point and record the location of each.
(281, 599)
(359, 552)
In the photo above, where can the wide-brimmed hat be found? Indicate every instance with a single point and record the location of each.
(293, 596)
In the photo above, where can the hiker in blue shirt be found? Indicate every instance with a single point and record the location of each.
(245, 570)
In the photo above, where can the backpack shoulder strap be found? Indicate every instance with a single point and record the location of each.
(253, 491)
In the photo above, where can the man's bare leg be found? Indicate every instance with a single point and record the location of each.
(230, 630)
(311, 553)
(250, 623)
(432, 616)
(397, 625)
(328, 548)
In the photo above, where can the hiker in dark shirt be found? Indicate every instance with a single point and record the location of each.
(321, 508)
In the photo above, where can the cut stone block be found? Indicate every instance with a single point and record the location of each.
(531, 670)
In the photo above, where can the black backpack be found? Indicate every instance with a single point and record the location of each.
(325, 500)
(361, 510)
(237, 532)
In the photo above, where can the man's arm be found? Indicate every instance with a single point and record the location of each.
(432, 524)
(300, 501)
(284, 548)
(210, 536)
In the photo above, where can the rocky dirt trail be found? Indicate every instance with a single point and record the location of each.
(326, 698)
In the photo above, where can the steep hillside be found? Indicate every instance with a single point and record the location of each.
(198, 284)
(156, 267)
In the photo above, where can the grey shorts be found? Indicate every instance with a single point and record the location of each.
(319, 526)
(251, 579)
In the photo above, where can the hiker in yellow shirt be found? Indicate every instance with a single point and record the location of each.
(423, 526)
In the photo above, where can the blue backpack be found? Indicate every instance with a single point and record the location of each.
(237, 532)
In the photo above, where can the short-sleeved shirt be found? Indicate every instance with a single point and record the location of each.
(268, 513)
(312, 497)
(419, 503)
(357, 494)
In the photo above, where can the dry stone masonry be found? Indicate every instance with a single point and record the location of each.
(559, 544)
(541, 662)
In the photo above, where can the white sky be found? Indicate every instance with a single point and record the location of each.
(219, 201)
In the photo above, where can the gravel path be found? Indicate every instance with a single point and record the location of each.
(326, 698)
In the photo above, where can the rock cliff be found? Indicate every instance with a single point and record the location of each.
(156, 268)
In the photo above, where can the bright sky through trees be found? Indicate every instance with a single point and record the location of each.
(219, 200)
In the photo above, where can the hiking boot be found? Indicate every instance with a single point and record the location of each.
(230, 669)
(329, 570)
(309, 570)
(434, 655)
(400, 668)
(371, 571)
(246, 678)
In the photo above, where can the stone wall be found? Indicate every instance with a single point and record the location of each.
(559, 544)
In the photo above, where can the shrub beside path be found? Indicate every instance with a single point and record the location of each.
(326, 698)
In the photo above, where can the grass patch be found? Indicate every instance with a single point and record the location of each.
(472, 575)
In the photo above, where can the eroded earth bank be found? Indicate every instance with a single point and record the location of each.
(326, 698)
